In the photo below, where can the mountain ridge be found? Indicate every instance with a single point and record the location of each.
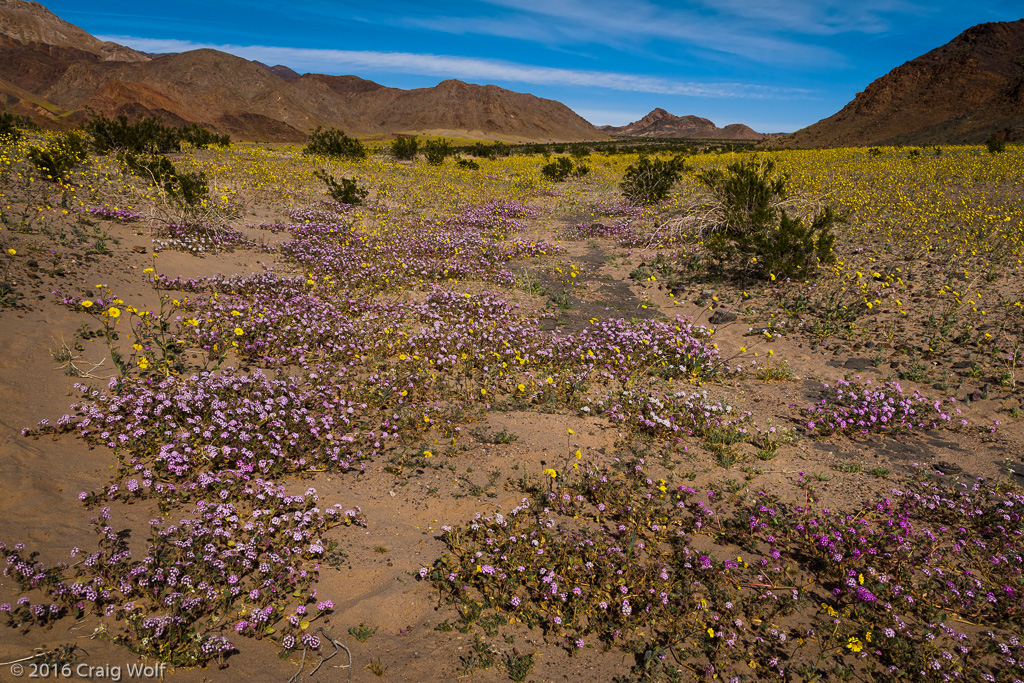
(958, 93)
(66, 72)
(659, 123)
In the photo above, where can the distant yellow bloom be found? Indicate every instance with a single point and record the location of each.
(239, 331)
(113, 312)
(428, 454)
(12, 252)
(86, 304)
(551, 473)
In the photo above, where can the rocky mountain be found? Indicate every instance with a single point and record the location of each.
(963, 92)
(55, 72)
(661, 124)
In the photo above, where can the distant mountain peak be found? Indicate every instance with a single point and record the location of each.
(661, 124)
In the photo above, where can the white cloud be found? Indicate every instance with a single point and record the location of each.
(471, 68)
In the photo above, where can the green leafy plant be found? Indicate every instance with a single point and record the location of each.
(405, 148)
(436, 151)
(60, 157)
(334, 143)
(754, 230)
(995, 145)
(143, 136)
(362, 633)
(649, 181)
(345, 192)
(563, 168)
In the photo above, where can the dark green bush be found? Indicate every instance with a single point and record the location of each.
(10, 126)
(58, 158)
(995, 145)
(436, 151)
(405, 148)
(203, 138)
(756, 232)
(467, 164)
(345, 192)
(747, 193)
(648, 181)
(334, 143)
(156, 167)
(144, 136)
(189, 189)
(874, 151)
(561, 168)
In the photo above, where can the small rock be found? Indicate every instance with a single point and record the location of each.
(139, 249)
(721, 316)
(859, 364)
(962, 364)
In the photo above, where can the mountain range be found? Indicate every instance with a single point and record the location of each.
(661, 124)
(56, 73)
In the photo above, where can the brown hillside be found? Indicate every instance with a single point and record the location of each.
(249, 100)
(661, 124)
(962, 92)
(30, 23)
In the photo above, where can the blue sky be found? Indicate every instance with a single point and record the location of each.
(776, 65)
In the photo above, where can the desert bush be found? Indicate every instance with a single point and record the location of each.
(648, 181)
(562, 168)
(405, 148)
(748, 194)
(875, 152)
(154, 167)
(59, 157)
(334, 143)
(436, 151)
(344, 192)
(753, 227)
(995, 145)
(11, 126)
(467, 164)
(144, 136)
(203, 138)
(189, 189)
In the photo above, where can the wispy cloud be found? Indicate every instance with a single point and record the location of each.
(471, 68)
(626, 25)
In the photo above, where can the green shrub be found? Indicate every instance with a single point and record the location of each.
(345, 192)
(561, 168)
(156, 167)
(405, 148)
(59, 157)
(334, 143)
(436, 151)
(875, 152)
(467, 164)
(202, 138)
(10, 126)
(648, 181)
(995, 145)
(189, 189)
(747, 193)
(756, 231)
(144, 136)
